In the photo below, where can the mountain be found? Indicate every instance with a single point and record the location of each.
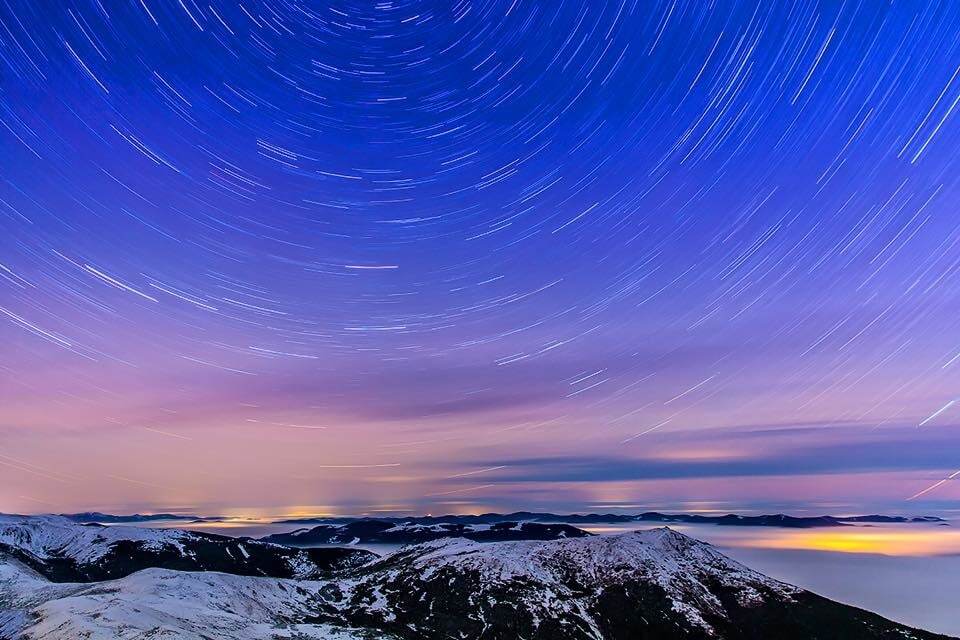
(107, 518)
(771, 520)
(158, 604)
(733, 520)
(654, 585)
(475, 519)
(62, 550)
(777, 520)
(386, 532)
(894, 519)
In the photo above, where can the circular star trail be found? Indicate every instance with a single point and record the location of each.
(408, 254)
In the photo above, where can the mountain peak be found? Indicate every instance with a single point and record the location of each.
(685, 570)
(656, 584)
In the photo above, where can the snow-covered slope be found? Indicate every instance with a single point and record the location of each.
(63, 550)
(655, 585)
(558, 581)
(20, 589)
(57, 537)
(160, 604)
(684, 568)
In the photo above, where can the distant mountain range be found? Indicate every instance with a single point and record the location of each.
(656, 585)
(772, 520)
(107, 518)
(400, 533)
(777, 520)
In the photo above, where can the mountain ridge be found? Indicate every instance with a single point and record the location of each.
(64, 551)
(768, 520)
(656, 584)
(731, 519)
(385, 532)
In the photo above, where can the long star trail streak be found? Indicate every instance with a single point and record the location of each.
(274, 254)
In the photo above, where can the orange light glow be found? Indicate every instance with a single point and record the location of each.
(887, 541)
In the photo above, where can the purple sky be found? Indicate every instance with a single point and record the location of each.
(431, 256)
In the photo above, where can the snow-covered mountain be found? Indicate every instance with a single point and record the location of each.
(158, 604)
(63, 550)
(654, 585)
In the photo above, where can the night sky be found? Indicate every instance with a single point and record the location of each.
(287, 257)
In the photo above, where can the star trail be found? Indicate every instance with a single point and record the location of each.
(357, 257)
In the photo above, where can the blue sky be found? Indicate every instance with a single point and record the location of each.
(417, 255)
